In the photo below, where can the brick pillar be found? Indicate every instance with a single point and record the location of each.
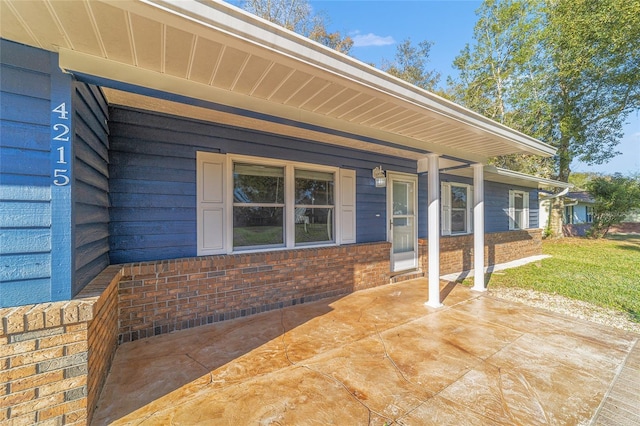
(54, 357)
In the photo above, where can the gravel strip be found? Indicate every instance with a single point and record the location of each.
(564, 305)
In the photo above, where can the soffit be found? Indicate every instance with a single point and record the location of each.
(497, 174)
(218, 53)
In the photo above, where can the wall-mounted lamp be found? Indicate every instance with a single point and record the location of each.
(379, 177)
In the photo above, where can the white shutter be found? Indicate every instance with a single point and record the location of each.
(445, 201)
(512, 211)
(525, 210)
(210, 184)
(347, 224)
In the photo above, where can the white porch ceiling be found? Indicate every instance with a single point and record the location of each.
(215, 52)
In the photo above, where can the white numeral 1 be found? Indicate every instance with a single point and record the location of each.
(61, 151)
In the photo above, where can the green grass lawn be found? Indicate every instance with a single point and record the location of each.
(604, 272)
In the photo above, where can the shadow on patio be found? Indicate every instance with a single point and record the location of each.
(372, 357)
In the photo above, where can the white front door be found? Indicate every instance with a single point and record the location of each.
(402, 202)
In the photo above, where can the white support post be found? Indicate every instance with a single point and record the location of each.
(478, 227)
(434, 231)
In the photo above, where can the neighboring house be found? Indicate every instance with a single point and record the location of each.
(578, 208)
(578, 213)
(171, 164)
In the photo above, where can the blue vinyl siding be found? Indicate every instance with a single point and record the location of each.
(152, 179)
(496, 203)
(25, 186)
(91, 186)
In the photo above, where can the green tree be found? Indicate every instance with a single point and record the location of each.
(410, 64)
(500, 75)
(615, 197)
(564, 71)
(594, 52)
(580, 180)
(298, 16)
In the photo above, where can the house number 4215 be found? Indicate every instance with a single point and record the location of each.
(60, 135)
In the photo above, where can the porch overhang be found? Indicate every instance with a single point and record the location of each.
(217, 53)
(509, 177)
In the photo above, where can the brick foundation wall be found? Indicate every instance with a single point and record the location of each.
(102, 330)
(43, 355)
(54, 357)
(159, 297)
(456, 252)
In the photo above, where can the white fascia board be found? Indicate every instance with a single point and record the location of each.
(541, 182)
(238, 23)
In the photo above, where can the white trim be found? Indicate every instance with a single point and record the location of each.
(513, 225)
(447, 209)
(541, 182)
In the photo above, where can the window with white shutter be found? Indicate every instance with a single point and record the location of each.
(250, 203)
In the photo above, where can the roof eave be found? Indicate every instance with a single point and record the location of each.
(237, 22)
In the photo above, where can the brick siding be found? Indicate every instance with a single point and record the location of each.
(456, 252)
(54, 357)
(159, 297)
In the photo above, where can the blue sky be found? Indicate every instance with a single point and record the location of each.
(377, 26)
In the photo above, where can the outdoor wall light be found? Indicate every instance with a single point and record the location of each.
(379, 177)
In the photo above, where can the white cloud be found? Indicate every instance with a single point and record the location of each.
(363, 40)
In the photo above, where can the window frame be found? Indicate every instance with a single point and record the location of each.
(214, 202)
(259, 204)
(447, 208)
(289, 201)
(513, 224)
(589, 214)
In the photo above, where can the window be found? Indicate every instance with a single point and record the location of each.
(589, 218)
(314, 206)
(518, 210)
(457, 208)
(250, 203)
(258, 205)
(568, 215)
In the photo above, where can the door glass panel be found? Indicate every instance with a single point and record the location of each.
(403, 198)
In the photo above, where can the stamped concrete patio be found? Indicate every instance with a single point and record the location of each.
(374, 357)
